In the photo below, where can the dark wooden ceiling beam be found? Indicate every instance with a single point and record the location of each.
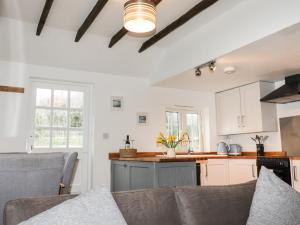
(122, 32)
(90, 19)
(44, 16)
(177, 23)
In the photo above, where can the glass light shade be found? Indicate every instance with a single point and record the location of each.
(139, 16)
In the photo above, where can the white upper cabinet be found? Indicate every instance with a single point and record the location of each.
(228, 111)
(239, 110)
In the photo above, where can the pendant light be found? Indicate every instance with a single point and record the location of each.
(139, 16)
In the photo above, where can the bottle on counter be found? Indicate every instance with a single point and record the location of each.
(127, 142)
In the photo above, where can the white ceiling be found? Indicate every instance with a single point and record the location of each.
(222, 28)
(70, 14)
(271, 58)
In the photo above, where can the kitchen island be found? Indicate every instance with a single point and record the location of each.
(152, 169)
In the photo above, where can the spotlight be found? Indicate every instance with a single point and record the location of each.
(212, 66)
(198, 72)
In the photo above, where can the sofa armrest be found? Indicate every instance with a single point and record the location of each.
(20, 210)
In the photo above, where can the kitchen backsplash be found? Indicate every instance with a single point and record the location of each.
(272, 144)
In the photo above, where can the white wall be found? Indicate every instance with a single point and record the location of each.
(274, 141)
(138, 97)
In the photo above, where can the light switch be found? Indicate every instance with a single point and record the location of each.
(105, 136)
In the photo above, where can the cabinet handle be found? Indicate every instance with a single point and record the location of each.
(253, 171)
(125, 165)
(206, 170)
(295, 173)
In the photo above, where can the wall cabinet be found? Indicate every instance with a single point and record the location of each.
(295, 173)
(127, 175)
(239, 110)
(228, 171)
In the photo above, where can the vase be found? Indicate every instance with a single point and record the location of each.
(171, 152)
(260, 148)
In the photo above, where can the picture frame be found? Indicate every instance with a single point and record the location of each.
(142, 119)
(117, 103)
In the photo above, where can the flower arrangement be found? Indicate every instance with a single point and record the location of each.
(171, 141)
(259, 139)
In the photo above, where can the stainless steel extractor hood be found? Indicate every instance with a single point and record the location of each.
(289, 92)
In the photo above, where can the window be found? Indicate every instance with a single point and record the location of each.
(58, 118)
(178, 121)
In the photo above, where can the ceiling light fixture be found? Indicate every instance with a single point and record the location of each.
(229, 70)
(212, 66)
(198, 72)
(139, 16)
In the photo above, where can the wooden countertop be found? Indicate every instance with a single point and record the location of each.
(182, 157)
(294, 157)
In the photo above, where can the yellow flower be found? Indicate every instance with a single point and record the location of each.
(171, 138)
(159, 140)
(161, 134)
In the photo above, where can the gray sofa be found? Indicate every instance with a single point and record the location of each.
(32, 175)
(228, 205)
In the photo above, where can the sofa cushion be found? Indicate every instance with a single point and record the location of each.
(148, 207)
(22, 209)
(215, 205)
(29, 175)
(274, 202)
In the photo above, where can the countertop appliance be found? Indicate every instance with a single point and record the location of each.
(235, 149)
(280, 166)
(289, 92)
(222, 148)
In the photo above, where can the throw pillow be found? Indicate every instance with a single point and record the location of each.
(274, 202)
(93, 208)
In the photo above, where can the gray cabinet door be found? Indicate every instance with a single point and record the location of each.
(119, 176)
(141, 175)
(126, 175)
(175, 174)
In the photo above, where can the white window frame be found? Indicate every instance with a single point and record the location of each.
(183, 123)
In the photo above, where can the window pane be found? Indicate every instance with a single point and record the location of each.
(60, 98)
(75, 139)
(43, 97)
(76, 99)
(41, 138)
(60, 118)
(59, 138)
(42, 117)
(76, 119)
(192, 123)
(172, 121)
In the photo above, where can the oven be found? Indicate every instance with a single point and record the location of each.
(279, 165)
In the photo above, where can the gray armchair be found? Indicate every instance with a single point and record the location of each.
(33, 175)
